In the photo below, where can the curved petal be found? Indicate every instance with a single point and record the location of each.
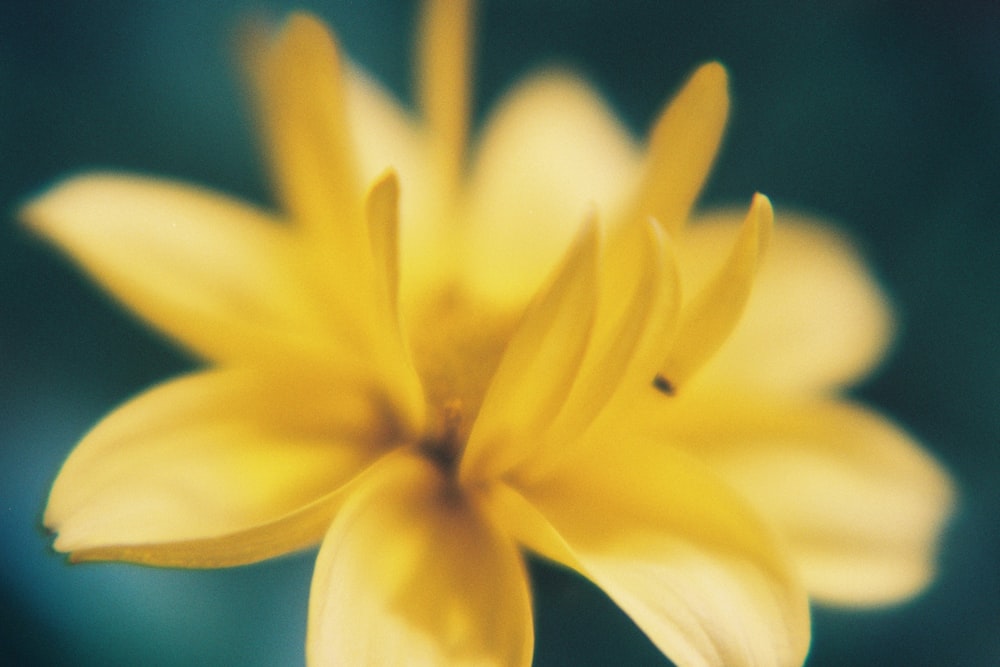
(387, 350)
(625, 348)
(412, 573)
(682, 148)
(215, 461)
(445, 60)
(709, 317)
(676, 549)
(860, 503)
(387, 137)
(299, 82)
(549, 154)
(219, 276)
(538, 367)
(815, 319)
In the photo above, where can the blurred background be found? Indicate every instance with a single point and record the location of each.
(881, 115)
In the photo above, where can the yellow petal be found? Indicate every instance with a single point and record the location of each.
(682, 148)
(858, 500)
(709, 317)
(712, 313)
(412, 573)
(218, 276)
(677, 550)
(398, 374)
(815, 320)
(538, 366)
(382, 213)
(625, 348)
(443, 78)
(301, 99)
(550, 153)
(387, 137)
(221, 467)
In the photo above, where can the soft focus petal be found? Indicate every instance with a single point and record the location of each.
(675, 548)
(625, 348)
(444, 89)
(399, 377)
(538, 366)
(411, 573)
(387, 137)
(815, 320)
(860, 503)
(682, 148)
(301, 100)
(382, 215)
(305, 101)
(219, 276)
(550, 153)
(208, 457)
(709, 317)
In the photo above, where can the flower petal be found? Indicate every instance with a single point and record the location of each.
(301, 99)
(675, 548)
(709, 317)
(217, 468)
(538, 366)
(682, 148)
(382, 214)
(399, 377)
(858, 500)
(413, 573)
(550, 153)
(625, 349)
(387, 137)
(815, 319)
(219, 276)
(445, 55)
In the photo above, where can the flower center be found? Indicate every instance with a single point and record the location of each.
(444, 447)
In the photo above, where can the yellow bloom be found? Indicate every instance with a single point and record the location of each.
(437, 357)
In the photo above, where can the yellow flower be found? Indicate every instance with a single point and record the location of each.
(434, 358)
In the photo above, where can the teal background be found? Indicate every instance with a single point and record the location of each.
(882, 115)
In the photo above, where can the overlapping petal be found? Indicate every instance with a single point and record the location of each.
(219, 276)
(309, 102)
(550, 153)
(367, 308)
(676, 549)
(386, 136)
(626, 344)
(413, 573)
(539, 365)
(816, 320)
(299, 78)
(710, 315)
(682, 148)
(216, 468)
(860, 503)
(664, 183)
(444, 86)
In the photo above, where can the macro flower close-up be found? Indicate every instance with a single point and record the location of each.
(448, 348)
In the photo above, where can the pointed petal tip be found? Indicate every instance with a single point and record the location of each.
(388, 179)
(303, 23)
(682, 146)
(761, 216)
(33, 210)
(712, 73)
(762, 202)
(709, 318)
(259, 35)
(302, 30)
